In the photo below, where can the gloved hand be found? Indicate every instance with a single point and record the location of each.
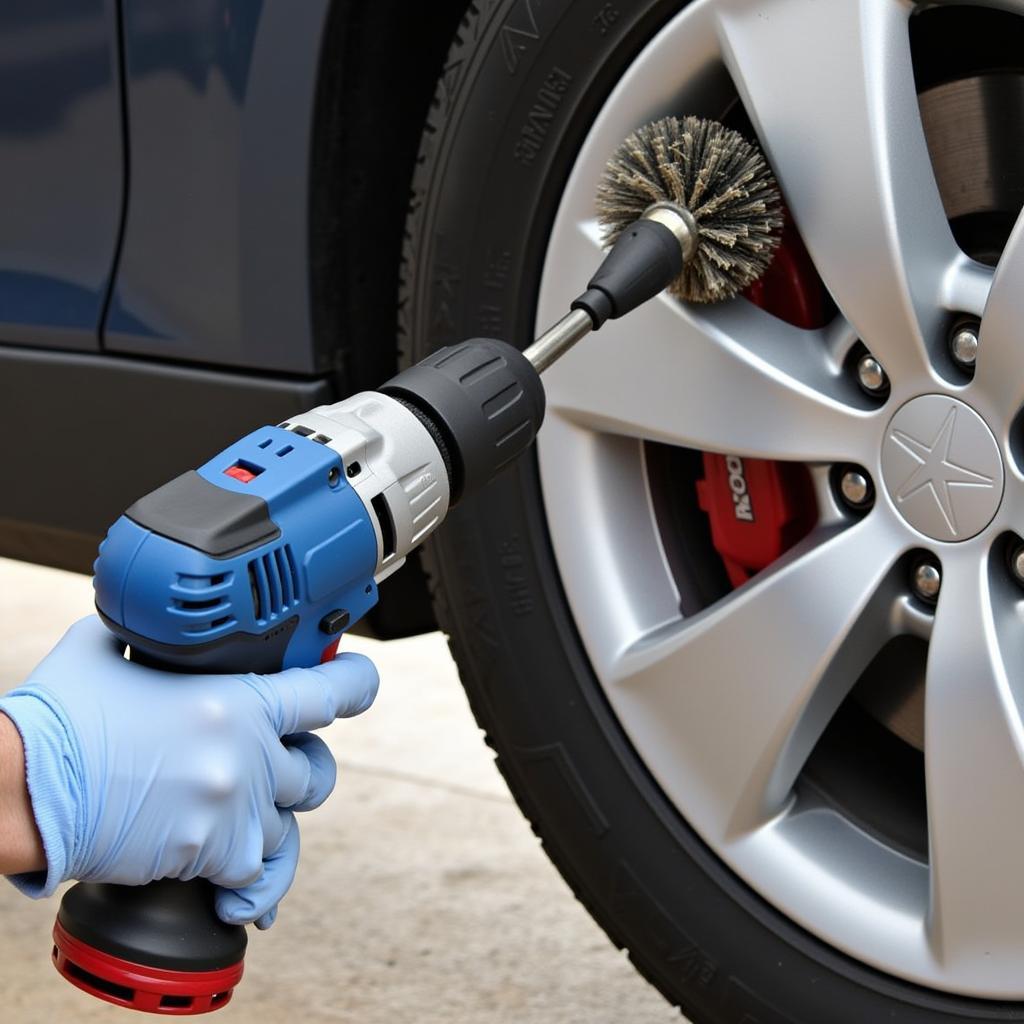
(137, 774)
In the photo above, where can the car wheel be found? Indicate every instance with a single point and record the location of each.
(746, 634)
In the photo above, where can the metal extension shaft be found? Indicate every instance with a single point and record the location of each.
(624, 279)
(557, 340)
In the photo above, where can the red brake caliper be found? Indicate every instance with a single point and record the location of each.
(759, 509)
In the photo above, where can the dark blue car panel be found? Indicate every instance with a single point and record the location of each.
(239, 262)
(61, 169)
(220, 103)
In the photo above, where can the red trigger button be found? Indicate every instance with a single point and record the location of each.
(330, 651)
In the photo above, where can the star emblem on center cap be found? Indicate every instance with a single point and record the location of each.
(936, 470)
(942, 467)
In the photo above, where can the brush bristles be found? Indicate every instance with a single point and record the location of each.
(720, 178)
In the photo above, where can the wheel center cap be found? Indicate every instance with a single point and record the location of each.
(942, 468)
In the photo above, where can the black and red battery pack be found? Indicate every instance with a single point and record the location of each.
(142, 948)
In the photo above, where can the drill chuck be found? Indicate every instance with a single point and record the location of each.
(486, 400)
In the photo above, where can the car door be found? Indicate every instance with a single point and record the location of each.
(61, 169)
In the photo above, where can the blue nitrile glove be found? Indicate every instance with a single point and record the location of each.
(137, 774)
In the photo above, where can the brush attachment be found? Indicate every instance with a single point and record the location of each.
(723, 182)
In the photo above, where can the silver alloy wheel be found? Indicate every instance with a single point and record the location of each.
(725, 707)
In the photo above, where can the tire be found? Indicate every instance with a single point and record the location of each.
(522, 83)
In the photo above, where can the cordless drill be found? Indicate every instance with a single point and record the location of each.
(263, 557)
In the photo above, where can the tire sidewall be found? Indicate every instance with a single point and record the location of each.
(521, 88)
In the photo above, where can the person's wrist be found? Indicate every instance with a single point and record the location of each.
(51, 770)
(21, 846)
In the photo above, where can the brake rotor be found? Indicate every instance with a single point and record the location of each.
(973, 127)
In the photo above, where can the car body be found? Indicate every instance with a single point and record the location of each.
(189, 247)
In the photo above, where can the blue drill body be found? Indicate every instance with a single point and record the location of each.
(279, 599)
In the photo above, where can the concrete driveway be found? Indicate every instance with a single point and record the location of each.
(422, 894)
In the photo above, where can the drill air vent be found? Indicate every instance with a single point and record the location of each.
(202, 603)
(274, 581)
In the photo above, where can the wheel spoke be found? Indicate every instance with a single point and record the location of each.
(830, 89)
(732, 701)
(974, 756)
(998, 369)
(728, 378)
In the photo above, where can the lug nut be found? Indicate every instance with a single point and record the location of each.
(855, 488)
(871, 375)
(963, 346)
(927, 581)
(1017, 564)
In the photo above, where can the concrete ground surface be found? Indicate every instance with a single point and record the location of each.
(422, 894)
